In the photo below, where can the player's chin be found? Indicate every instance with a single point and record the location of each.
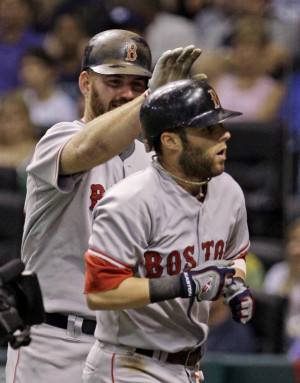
(218, 168)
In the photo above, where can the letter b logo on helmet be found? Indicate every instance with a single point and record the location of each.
(131, 52)
(118, 51)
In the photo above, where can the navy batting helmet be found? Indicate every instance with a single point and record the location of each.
(183, 103)
(118, 51)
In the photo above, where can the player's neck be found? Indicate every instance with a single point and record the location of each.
(195, 187)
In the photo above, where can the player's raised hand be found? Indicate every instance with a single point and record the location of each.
(173, 65)
(207, 281)
(238, 297)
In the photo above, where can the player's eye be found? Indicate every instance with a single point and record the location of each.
(138, 86)
(207, 130)
(116, 83)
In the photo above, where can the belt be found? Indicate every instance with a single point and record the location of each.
(187, 358)
(72, 323)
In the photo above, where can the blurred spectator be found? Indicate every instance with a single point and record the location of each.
(16, 36)
(213, 22)
(290, 111)
(124, 18)
(283, 279)
(47, 102)
(286, 10)
(286, 22)
(64, 43)
(94, 14)
(216, 25)
(190, 8)
(246, 85)
(163, 30)
(255, 271)
(17, 138)
(286, 274)
(280, 34)
(226, 335)
(167, 31)
(45, 13)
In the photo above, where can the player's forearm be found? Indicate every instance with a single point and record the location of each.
(102, 138)
(206, 282)
(131, 293)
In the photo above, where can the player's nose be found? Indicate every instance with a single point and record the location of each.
(127, 92)
(225, 135)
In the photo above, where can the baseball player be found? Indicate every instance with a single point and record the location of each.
(72, 167)
(165, 242)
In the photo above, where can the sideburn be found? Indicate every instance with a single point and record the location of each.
(96, 104)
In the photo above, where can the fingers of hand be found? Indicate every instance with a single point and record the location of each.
(179, 61)
(169, 57)
(242, 307)
(185, 54)
(246, 312)
(187, 59)
(162, 72)
(234, 288)
(174, 65)
(182, 66)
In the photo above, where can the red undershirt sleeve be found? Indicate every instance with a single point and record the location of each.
(102, 275)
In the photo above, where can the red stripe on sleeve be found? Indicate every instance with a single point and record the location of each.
(101, 275)
(242, 253)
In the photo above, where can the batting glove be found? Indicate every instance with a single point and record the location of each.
(207, 281)
(173, 65)
(238, 297)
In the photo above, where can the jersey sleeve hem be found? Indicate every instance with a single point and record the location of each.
(242, 253)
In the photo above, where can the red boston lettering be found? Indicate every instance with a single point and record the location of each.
(97, 192)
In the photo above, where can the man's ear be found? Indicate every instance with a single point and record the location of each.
(171, 141)
(84, 82)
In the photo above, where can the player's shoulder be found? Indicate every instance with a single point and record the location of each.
(55, 137)
(227, 183)
(63, 128)
(60, 132)
(135, 187)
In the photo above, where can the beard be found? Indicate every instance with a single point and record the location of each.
(97, 105)
(196, 165)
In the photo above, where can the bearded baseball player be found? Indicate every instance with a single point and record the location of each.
(72, 167)
(165, 242)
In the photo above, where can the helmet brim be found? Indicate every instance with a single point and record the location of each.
(213, 117)
(129, 69)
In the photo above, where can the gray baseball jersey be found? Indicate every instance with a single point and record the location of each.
(58, 216)
(148, 225)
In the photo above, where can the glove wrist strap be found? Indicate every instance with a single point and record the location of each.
(162, 289)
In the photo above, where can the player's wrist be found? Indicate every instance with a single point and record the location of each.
(162, 289)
